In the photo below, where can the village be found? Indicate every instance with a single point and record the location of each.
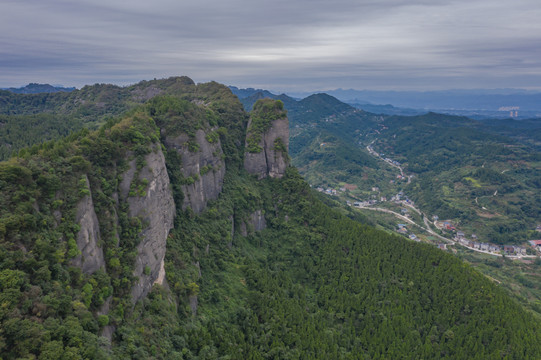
(446, 227)
(447, 232)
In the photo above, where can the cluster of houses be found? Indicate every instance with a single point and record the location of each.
(536, 244)
(483, 246)
(444, 225)
(473, 243)
(360, 204)
(389, 160)
(330, 191)
(403, 229)
(400, 198)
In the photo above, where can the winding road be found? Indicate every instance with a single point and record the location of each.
(427, 227)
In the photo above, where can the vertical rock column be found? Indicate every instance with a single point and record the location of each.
(156, 209)
(91, 258)
(267, 140)
(204, 166)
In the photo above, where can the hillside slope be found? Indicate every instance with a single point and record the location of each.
(133, 242)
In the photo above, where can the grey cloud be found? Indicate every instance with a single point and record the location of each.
(281, 44)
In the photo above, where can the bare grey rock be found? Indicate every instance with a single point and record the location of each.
(107, 332)
(157, 211)
(270, 161)
(277, 160)
(91, 258)
(243, 229)
(193, 304)
(257, 220)
(205, 166)
(143, 95)
(127, 179)
(57, 217)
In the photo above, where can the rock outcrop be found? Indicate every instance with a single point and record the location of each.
(203, 167)
(267, 143)
(156, 210)
(255, 222)
(88, 238)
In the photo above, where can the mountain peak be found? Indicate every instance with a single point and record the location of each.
(35, 88)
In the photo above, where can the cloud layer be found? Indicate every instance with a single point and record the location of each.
(281, 45)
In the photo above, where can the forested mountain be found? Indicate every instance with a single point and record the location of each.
(483, 175)
(480, 176)
(459, 99)
(34, 88)
(177, 230)
(31, 119)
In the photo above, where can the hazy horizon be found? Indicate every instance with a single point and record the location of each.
(307, 91)
(287, 45)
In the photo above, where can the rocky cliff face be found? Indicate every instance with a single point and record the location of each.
(156, 210)
(255, 222)
(267, 157)
(276, 146)
(203, 167)
(91, 258)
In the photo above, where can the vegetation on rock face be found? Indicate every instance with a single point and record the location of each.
(316, 284)
(52, 304)
(265, 111)
(313, 284)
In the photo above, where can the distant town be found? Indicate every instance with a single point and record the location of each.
(453, 235)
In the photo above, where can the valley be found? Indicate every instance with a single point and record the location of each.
(353, 180)
(170, 224)
(472, 204)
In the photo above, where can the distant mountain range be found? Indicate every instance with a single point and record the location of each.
(178, 230)
(476, 104)
(446, 99)
(34, 88)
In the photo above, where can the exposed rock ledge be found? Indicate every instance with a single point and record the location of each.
(91, 258)
(205, 166)
(156, 210)
(270, 161)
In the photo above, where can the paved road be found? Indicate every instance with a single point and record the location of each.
(425, 219)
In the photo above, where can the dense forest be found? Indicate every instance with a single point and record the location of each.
(303, 281)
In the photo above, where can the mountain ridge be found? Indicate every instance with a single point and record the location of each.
(35, 88)
(264, 269)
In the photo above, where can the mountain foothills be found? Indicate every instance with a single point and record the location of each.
(484, 175)
(479, 178)
(169, 224)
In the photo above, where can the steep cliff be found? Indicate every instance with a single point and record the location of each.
(91, 257)
(267, 140)
(255, 222)
(107, 194)
(203, 167)
(155, 207)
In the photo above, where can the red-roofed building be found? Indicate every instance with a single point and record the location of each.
(535, 243)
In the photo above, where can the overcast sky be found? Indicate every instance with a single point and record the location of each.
(279, 45)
